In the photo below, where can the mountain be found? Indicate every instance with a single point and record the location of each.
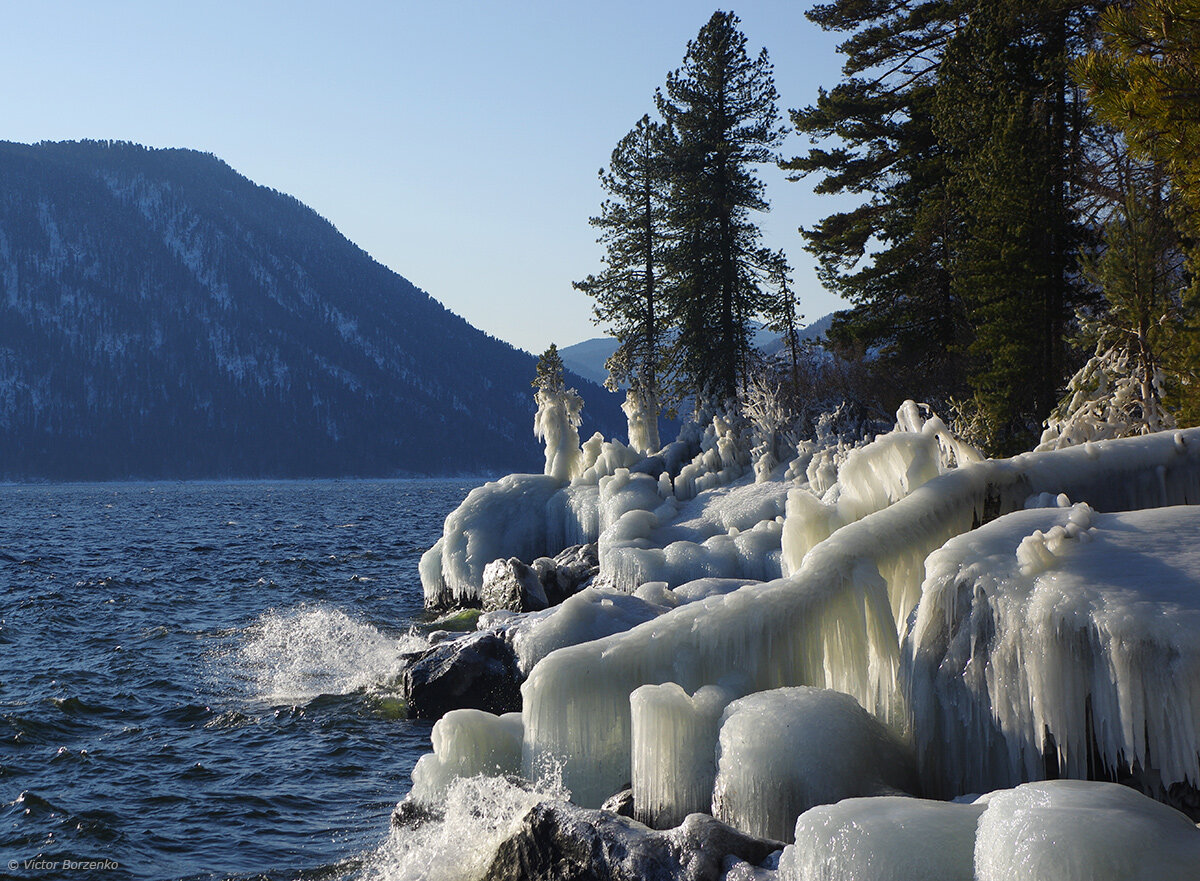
(587, 358)
(161, 316)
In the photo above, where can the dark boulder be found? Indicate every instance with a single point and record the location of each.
(561, 842)
(511, 584)
(568, 572)
(478, 671)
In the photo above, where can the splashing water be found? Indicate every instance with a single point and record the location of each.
(299, 654)
(480, 813)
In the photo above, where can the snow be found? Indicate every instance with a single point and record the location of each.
(1068, 830)
(467, 743)
(885, 838)
(1061, 620)
(783, 751)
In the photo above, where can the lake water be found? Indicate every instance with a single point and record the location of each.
(200, 680)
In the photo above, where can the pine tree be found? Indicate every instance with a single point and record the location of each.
(1144, 79)
(630, 291)
(887, 256)
(1005, 115)
(721, 104)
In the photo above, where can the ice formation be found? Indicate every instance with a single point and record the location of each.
(592, 613)
(674, 761)
(557, 423)
(1069, 830)
(467, 743)
(835, 621)
(1061, 830)
(641, 412)
(885, 838)
(783, 751)
(1060, 630)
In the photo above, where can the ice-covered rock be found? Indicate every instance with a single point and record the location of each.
(567, 572)
(477, 671)
(834, 622)
(884, 838)
(1068, 830)
(511, 584)
(467, 743)
(501, 519)
(675, 750)
(1060, 631)
(560, 842)
(783, 751)
(592, 613)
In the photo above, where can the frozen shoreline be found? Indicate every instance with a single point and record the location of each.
(852, 561)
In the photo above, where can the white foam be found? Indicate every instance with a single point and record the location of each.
(298, 654)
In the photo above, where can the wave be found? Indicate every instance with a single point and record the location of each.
(297, 655)
(480, 813)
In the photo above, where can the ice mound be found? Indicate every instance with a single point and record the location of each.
(1062, 830)
(467, 743)
(1060, 631)
(732, 530)
(885, 838)
(1067, 830)
(590, 614)
(781, 752)
(674, 751)
(836, 621)
(503, 518)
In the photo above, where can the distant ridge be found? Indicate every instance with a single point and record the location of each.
(161, 316)
(587, 358)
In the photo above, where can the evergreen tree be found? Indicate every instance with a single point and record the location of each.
(630, 291)
(721, 104)
(1005, 114)
(1144, 79)
(888, 255)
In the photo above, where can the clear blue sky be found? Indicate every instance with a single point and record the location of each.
(456, 142)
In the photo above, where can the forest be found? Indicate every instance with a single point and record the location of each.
(1022, 256)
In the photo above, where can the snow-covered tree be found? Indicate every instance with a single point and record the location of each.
(558, 416)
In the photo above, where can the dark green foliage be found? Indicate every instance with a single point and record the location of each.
(1006, 115)
(873, 136)
(548, 377)
(721, 105)
(630, 292)
(1144, 79)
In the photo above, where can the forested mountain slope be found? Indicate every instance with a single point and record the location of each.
(163, 316)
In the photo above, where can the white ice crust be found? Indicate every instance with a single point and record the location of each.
(467, 743)
(1070, 830)
(885, 838)
(1064, 620)
(783, 751)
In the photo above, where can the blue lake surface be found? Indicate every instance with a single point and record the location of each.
(201, 680)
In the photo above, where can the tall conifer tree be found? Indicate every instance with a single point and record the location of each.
(630, 292)
(873, 138)
(721, 104)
